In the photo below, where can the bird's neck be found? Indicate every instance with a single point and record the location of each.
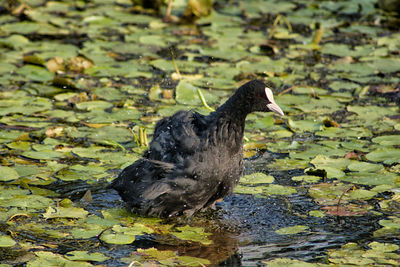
(236, 108)
(230, 119)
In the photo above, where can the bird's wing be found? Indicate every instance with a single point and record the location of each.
(177, 136)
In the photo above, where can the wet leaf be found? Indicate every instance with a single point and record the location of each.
(307, 178)
(6, 241)
(78, 255)
(276, 189)
(240, 189)
(387, 156)
(387, 140)
(47, 258)
(292, 230)
(368, 178)
(8, 174)
(117, 238)
(257, 178)
(62, 212)
(35, 73)
(187, 94)
(364, 167)
(195, 234)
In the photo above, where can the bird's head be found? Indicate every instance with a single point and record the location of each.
(261, 97)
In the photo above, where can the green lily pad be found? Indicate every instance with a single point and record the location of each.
(35, 73)
(276, 189)
(249, 190)
(117, 238)
(361, 194)
(90, 230)
(387, 140)
(195, 234)
(360, 166)
(61, 212)
(387, 156)
(257, 178)
(307, 178)
(44, 154)
(47, 258)
(292, 230)
(6, 241)
(27, 201)
(187, 94)
(136, 229)
(78, 255)
(368, 178)
(8, 174)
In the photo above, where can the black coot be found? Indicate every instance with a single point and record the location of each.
(193, 160)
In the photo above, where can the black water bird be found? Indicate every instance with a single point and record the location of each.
(193, 160)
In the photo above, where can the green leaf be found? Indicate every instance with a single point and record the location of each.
(292, 230)
(195, 234)
(47, 258)
(187, 94)
(387, 155)
(35, 73)
(117, 238)
(307, 178)
(240, 189)
(371, 178)
(276, 189)
(61, 212)
(257, 178)
(387, 140)
(360, 166)
(8, 174)
(6, 241)
(78, 255)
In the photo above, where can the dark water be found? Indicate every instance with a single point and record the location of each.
(243, 227)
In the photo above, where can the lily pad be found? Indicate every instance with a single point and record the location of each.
(195, 234)
(61, 212)
(8, 174)
(387, 140)
(78, 255)
(187, 94)
(387, 156)
(257, 178)
(292, 230)
(6, 241)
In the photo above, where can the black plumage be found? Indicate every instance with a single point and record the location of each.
(193, 159)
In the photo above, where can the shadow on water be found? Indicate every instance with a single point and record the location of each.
(243, 227)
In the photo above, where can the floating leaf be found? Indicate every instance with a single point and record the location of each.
(78, 255)
(187, 94)
(6, 241)
(8, 174)
(117, 238)
(276, 189)
(195, 234)
(387, 156)
(61, 212)
(387, 140)
(360, 166)
(35, 73)
(292, 230)
(257, 178)
(47, 258)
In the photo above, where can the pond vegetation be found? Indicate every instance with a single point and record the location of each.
(84, 82)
